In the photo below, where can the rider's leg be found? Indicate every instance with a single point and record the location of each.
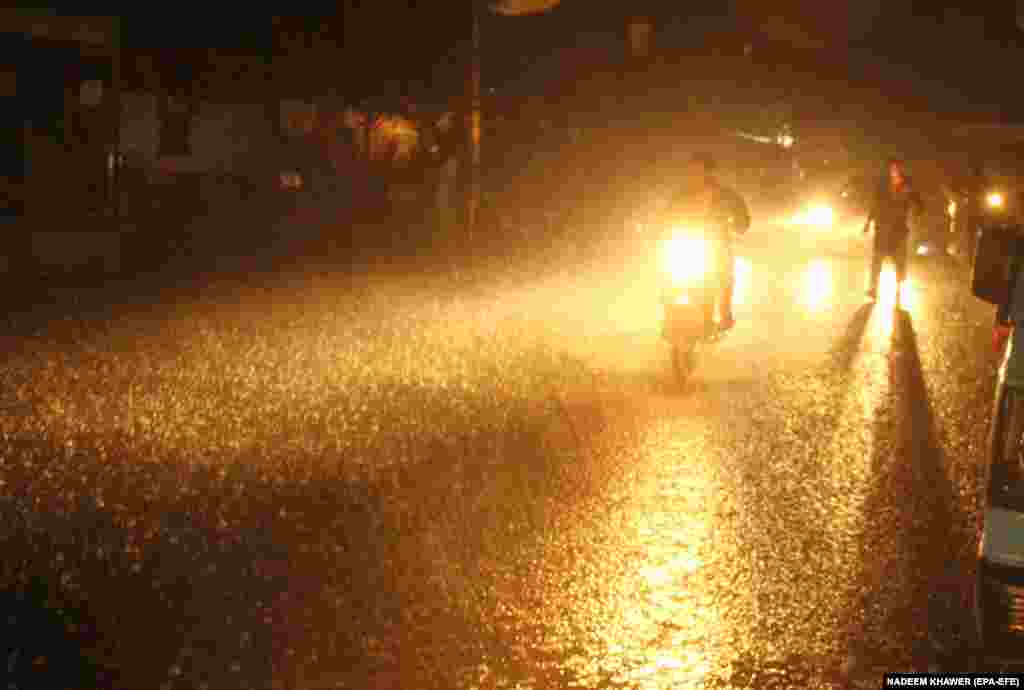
(726, 271)
(899, 253)
(877, 255)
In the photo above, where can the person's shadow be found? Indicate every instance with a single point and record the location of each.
(849, 344)
(913, 490)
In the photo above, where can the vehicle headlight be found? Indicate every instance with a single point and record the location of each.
(687, 258)
(951, 209)
(817, 215)
(995, 200)
(821, 215)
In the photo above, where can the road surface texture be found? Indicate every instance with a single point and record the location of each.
(444, 479)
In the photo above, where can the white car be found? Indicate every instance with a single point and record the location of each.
(999, 590)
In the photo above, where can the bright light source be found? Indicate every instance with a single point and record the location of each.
(923, 250)
(818, 285)
(743, 270)
(995, 200)
(514, 8)
(754, 137)
(820, 215)
(687, 258)
(951, 209)
(891, 293)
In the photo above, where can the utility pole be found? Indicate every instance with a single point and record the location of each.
(507, 8)
(272, 103)
(475, 119)
(115, 107)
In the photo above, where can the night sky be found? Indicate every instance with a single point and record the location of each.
(420, 44)
(428, 29)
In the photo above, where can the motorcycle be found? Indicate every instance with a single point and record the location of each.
(690, 287)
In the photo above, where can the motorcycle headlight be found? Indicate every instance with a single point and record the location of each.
(821, 215)
(687, 257)
(995, 201)
(816, 215)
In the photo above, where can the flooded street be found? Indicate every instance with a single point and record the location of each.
(502, 486)
(784, 521)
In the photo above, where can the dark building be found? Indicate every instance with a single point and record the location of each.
(61, 127)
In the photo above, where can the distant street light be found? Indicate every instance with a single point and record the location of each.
(514, 8)
(508, 8)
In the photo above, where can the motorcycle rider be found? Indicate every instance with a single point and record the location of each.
(890, 212)
(722, 211)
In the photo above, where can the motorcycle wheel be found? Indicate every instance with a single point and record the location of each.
(683, 361)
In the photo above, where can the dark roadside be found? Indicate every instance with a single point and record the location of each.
(167, 258)
(158, 253)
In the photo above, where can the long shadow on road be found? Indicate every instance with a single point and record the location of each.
(903, 544)
(819, 397)
(909, 544)
(846, 350)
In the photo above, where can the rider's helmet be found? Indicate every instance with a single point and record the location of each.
(883, 180)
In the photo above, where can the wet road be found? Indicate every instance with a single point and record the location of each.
(499, 486)
(785, 521)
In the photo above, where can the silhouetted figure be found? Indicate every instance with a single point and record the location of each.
(723, 211)
(890, 212)
(973, 191)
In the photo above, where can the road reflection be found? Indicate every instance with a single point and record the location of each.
(909, 300)
(744, 557)
(818, 285)
(743, 271)
(626, 601)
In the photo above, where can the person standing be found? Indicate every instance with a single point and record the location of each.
(890, 212)
(973, 191)
(446, 188)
